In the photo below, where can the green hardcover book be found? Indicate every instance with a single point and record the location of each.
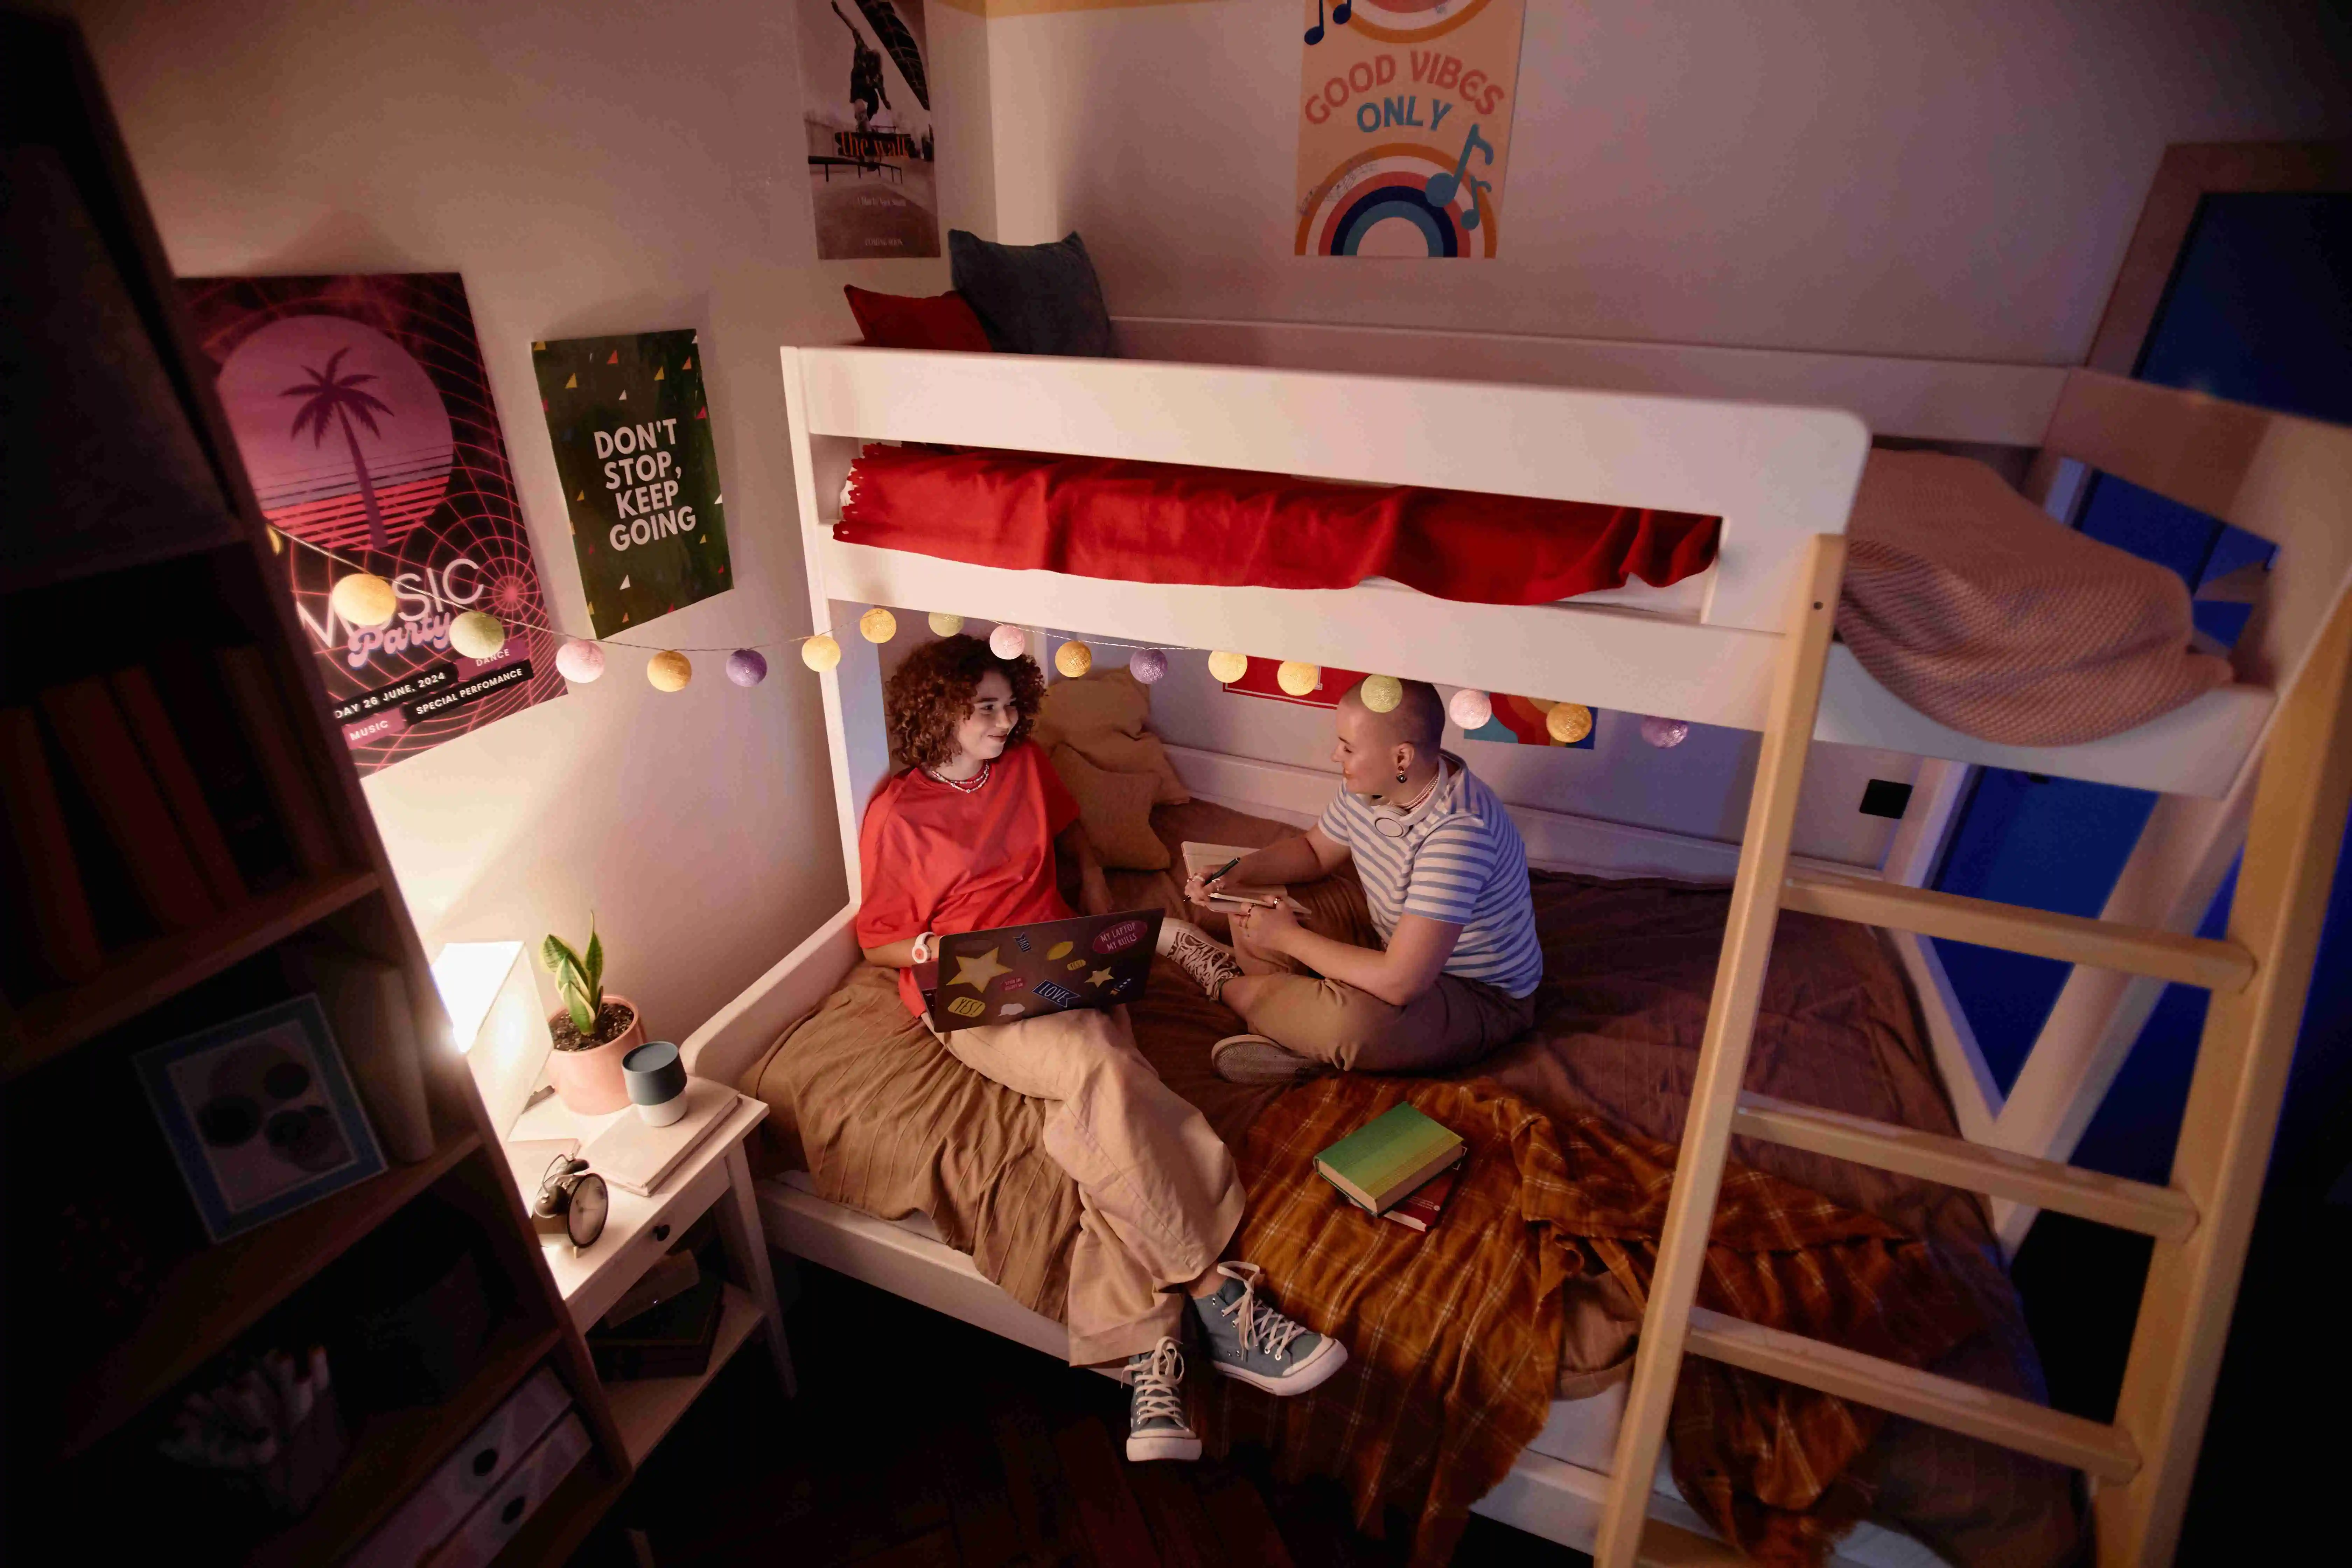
(1381, 1162)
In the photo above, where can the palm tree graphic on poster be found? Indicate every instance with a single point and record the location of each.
(338, 398)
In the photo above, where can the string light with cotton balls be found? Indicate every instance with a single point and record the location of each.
(1569, 722)
(1147, 665)
(944, 625)
(363, 599)
(478, 634)
(1471, 708)
(1298, 677)
(1664, 734)
(1381, 693)
(580, 661)
(877, 624)
(1074, 658)
(821, 652)
(1008, 643)
(670, 671)
(746, 666)
(1225, 668)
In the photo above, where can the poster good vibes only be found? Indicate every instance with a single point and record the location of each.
(1405, 124)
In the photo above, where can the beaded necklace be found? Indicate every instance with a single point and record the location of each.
(962, 786)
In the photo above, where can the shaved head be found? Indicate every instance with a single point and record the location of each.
(1382, 753)
(1418, 721)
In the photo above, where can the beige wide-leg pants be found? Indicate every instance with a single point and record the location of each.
(1158, 1194)
(1454, 1023)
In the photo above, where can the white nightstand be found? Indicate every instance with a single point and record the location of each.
(717, 1178)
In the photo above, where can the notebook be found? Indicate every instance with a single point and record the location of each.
(637, 1158)
(1200, 859)
(1012, 973)
(1386, 1157)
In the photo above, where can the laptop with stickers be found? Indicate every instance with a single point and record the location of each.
(1012, 973)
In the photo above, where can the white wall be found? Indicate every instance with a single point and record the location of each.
(588, 168)
(1953, 178)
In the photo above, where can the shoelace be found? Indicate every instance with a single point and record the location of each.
(1158, 1393)
(1202, 958)
(1260, 1325)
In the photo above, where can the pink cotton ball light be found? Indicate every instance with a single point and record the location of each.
(1148, 665)
(1470, 708)
(1008, 642)
(746, 666)
(580, 661)
(1664, 734)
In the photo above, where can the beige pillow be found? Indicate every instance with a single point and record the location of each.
(1105, 717)
(1116, 811)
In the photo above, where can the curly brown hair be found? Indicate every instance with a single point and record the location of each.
(934, 690)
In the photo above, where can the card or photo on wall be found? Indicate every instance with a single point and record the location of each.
(363, 413)
(260, 1115)
(865, 102)
(631, 424)
(1404, 126)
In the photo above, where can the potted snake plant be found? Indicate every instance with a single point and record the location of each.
(592, 1034)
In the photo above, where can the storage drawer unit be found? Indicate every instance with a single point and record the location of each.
(478, 1465)
(497, 1517)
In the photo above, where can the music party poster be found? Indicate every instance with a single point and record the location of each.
(1405, 125)
(363, 415)
(632, 431)
(866, 101)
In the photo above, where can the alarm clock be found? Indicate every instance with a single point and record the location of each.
(573, 1203)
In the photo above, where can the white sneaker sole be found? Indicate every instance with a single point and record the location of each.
(1147, 1445)
(1311, 1373)
(1254, 1059)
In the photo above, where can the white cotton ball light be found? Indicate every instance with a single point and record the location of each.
(1298, 677)
(1074, 658)
(1381, 693)
(478, 634)
(1471, 708)
(363, 599)
(1227, 667)
(821, 652)
(1664, 734)
(746, 666)
(1569, 722)
(877, 624)
(945, 624)
(1147, 665)
(580, 661)
(1008, 642)
(668, 670)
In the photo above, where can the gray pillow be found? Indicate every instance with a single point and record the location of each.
(1033, 299)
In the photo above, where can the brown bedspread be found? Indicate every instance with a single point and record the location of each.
(885, 1120)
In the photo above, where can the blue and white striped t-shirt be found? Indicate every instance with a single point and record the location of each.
(1454, 858)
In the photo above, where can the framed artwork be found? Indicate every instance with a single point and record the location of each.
(866, 103)
(260, 1115)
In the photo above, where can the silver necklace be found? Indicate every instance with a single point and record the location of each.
(962, 786)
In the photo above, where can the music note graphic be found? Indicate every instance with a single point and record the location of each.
(1442, 188)
(1340, 15)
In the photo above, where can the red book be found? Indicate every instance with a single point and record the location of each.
(1418, 1210)
(91, 733)
(136, 694)
(63, 930)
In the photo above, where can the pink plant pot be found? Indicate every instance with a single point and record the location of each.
(589, 1082)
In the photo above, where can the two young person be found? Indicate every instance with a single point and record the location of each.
(966, 838)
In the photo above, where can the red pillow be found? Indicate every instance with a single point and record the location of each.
(910, 322)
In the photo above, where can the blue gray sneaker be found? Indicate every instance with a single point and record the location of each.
(1156, 1427)
(1250, 1341)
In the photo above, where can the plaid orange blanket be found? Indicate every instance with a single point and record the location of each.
(1454, 1335)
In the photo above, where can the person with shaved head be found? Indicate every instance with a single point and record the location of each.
(1445, 880)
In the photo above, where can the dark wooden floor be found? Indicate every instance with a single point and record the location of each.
(919, 1442)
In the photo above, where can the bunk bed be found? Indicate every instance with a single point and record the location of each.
(1773, 444)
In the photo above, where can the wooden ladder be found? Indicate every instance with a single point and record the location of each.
(2140, 1466)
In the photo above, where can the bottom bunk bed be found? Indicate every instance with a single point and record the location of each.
(892, 1162)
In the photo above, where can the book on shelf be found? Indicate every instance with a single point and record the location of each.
(135, 694)
(190, 688)
(1420, 1208)
(50, 901)
(92, 732)
(1200, 859)
(261, 714)
(1386, 1157)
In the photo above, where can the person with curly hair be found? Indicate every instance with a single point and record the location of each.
(965, 838)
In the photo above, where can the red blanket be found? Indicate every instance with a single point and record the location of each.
(1160, 522)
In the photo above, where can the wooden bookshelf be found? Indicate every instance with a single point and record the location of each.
(138, 978)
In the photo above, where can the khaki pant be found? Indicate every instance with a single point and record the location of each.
(1452, 1023)
(1158, 1194)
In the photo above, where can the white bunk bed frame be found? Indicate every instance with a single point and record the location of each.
(1653, 424)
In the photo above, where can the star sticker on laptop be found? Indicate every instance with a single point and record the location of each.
(1099, 977)
(977, 973)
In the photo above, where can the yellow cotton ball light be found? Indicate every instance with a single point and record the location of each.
(1380, 693)
(1569, 722)
(945, 624)
(1008, 642)
(478, 634)
(1299, 679)
(1074, 658)
(821, 652)
(1228, 667)
(363, 599)
(668, 670)
(877, 624)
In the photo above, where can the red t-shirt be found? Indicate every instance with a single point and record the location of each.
(938, 859)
